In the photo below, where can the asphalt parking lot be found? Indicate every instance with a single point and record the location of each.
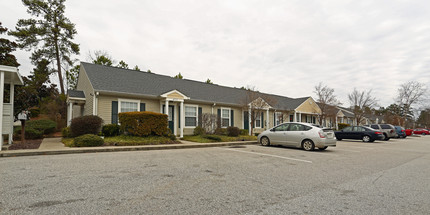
(352, 178)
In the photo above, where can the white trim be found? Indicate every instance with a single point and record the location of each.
(174, 91)
(128, 100)
(197, 115)
(229, 117)
(259, 118)
(182, 119)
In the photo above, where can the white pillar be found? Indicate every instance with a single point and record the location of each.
(69, 113)
(94, 103)
(267, 120)
(161, 107)
(300, 117)
(11, 99)
(175, 122)
(249, 122)
(337, 127)
(295, 117)
(182, 119)
(1, 107)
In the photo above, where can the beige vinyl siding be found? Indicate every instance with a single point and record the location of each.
(309, 106)
(85, 85)
(104, 108)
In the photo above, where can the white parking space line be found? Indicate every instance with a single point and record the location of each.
(360, 147)
(269, 155)
(346, 150)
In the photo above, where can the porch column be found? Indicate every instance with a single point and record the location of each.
(249, 121)
(300, 117)
(166, 109)
(182, 119)
(11, 99)
(337, 127)
(267, 119)
(1, 107)
(295, 117)
(69, 113)
(161, 107)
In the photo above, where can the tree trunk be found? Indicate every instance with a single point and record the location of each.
(57, 56)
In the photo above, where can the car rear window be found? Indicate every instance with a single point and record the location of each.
(385, 127)
(374, 126)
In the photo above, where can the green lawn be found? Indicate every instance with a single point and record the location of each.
(217, 138)
(124, 140)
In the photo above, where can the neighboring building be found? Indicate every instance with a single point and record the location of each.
(8, 75)
(106, 91)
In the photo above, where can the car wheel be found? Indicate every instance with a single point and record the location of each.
(308, 145)
(323, 148)
(366, 138)
(265, 141)
(423, 133)
(386, 137)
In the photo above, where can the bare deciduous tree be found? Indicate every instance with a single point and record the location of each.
(327, 101)
(255, 104)
(359, 101)
(209, 122)
(410, 93)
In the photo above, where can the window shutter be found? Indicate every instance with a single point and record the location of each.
(232, 118)
(246, 120)
(142, 107)
(114, 119)
(218, 118)
(200, 117)
(274, 119)
(262, 120)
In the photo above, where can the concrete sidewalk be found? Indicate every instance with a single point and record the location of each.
(53, 146)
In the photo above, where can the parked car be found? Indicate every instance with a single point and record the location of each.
(421, 131)
(409, 132)
(400, 132)
(387, 130)
(359, 133)
(300, 135)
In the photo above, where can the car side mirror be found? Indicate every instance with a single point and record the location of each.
(272, 130)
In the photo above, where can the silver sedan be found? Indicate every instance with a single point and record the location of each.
(300, 135)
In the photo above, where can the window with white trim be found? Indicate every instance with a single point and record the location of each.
(258, 120)
(225, 117)
(279, 118)
(190, 116)
(128, 105)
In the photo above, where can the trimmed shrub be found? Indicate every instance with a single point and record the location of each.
(244, 131)
(144, 123)
(66, 132)
(46, 126)
(233, 131)
(110, 130)
(212, 137)
(220, 131)
(35, 112)
(30, 133)
(199, 131)
(171, 136)
(85, 125)
(87, 140)
(342, 125)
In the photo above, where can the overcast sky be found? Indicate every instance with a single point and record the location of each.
(280, 47)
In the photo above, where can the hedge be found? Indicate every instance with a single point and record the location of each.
(233, 131)
(342, 125)
(111, 130)
(85, 125)
(30, 134)
(144, 123)
(46, 126)
(87, 140)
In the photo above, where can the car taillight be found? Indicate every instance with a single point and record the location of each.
(403, 130)
(391, 131)
(321, 133)
(378, 132)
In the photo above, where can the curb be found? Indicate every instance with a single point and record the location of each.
(17, 153)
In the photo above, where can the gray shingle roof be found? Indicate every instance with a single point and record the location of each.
(113, 79)
(76, 93)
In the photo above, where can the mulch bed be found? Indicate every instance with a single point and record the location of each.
(29, 144)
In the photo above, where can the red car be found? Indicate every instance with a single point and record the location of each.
(409, 132)
(422, 131)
